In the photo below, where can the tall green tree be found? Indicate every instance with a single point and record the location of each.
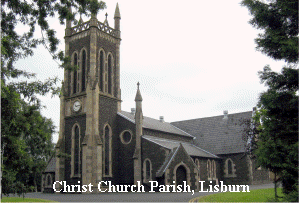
(276, 144)
(38, 140)
(13, 148)
(278, 19)
(26, 135)
(26, 140)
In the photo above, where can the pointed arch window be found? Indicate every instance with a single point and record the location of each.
(147, 170)
(198, 167)
(76, 150)
(48, 181)
(75, 74)
(83, 70)
(214, 169)
(211, 166)
(107, 152)
(75, 153)
(197, 164)
(229, 168)
(209, 169)
(101, 70)
(109, 74)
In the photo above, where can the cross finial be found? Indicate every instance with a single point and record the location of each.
(138, 95)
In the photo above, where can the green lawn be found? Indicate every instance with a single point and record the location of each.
(261, 195)
(20, 199)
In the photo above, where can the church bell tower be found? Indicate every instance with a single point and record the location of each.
(89, 104)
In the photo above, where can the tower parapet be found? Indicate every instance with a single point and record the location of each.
(101, 26)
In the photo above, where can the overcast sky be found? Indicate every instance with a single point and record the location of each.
(193, 58)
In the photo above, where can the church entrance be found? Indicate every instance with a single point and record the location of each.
(181, 175)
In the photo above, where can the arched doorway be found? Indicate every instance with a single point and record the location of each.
(181, 175)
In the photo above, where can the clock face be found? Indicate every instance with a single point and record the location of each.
(76, 106)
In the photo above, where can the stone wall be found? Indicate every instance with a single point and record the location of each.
(155, 153)
(107, 115)
(242, 169)
(260, 174)
(124, 161)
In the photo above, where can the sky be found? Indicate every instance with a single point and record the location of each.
(193, 58)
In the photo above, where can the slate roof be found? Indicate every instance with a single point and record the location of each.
(155, 124)
(191, 149)
(167, 161)
(217, 135)
(51, 165)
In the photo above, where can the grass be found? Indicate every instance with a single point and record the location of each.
(261, 195)
(20, 199)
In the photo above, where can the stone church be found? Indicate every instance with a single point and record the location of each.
(100, 142)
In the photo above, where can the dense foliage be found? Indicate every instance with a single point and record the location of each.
(279, 21)
(26, 142)
(275, 144)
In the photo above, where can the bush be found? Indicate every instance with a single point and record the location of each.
(20, 188)
(291, 197)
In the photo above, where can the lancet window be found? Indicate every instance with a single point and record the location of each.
(214, 169)
(75, 165)
(197, 163)
(83, 71)
(75, 74)
(147, 170)
(209, 169)
(107, 151)
(109, 74)
(229, 168)
(101, 70)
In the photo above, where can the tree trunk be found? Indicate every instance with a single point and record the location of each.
(275, 186)
(34, 182)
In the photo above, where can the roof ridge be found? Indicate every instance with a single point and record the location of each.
(119, 113)
(167, 140)
(155, 124)
(153, 141)
(210, 117)
(143, 116)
